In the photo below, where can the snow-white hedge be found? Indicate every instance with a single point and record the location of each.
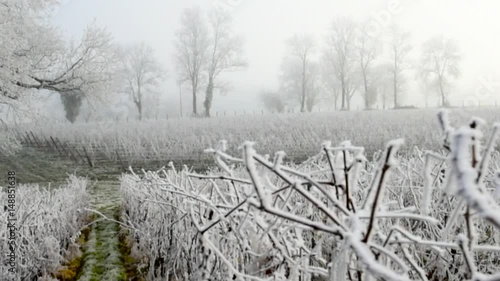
(48, 220)
(418, 216)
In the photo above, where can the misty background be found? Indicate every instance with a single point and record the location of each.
(266, 25)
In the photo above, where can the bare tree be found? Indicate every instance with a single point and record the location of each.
(331, 86)
(225, 51)
(440, 63)
(400, 47)
(341, 56)
(302, 48)
(289, 79)
(36, 57)
(367, 49)
(307, 92)
(384, 81)
(424, 85)
(273, 101)
(141, 71)
(314, 87)
(91, 68)
(191, 50)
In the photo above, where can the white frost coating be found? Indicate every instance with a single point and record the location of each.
(340, 264)
(361, 158)
(305, 208)
(222, 146)
(346, 143)
(427, 188)
(47, 219)
(393, 145)
(444, 121)
(278, 158)
(355, 174)
(466, 185)
(209, 150)
(249, 154)
(246, 144)
(478, 121)
(397, 143)
(484, 165)
(326, 145)
(497, 185)
(366, 256)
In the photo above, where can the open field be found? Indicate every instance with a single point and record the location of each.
(156, 142)
(392, 211)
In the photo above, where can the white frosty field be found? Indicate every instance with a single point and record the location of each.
(424, 208)
(299, 134)
(337, 216)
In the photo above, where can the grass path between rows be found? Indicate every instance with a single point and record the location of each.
(102, 259)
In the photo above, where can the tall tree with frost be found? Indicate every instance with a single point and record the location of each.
(302, 48)
(399, 50)
(141, 71)
(341, 56)
(384, 82)
(441, 63)
(367, 48)
(224, 52)
(305, 91)
(191, 50)
(331, 87)
(314, 87)
(425, 84)
(34, 56)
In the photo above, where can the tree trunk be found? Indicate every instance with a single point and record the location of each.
(209, 94)
(396, 104)
(365, 81)
(138, 104)
(336, 99)
(310, 104)
(303, 96)
(180, 99)
(444, 102)
(395, 90)
(138, 100)
(344, 95)
(139, 107)
(194, 86)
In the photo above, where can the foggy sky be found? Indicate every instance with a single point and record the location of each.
(266, 24)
